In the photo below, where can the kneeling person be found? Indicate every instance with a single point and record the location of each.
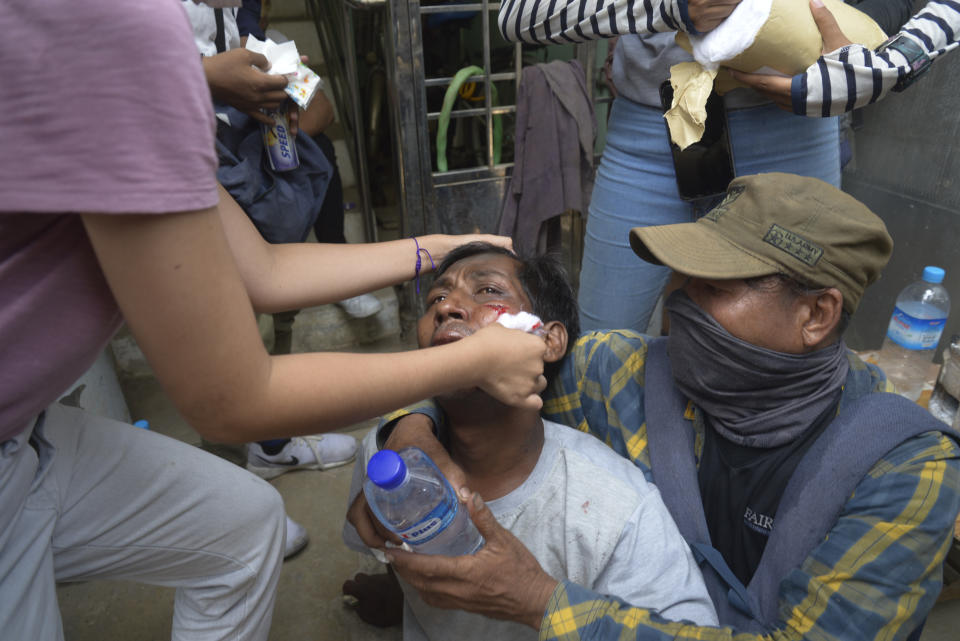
(586, 513)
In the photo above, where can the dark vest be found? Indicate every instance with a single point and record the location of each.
(867, 426)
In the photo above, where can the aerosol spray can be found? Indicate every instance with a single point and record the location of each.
(279, 144)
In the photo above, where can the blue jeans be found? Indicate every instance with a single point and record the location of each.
(636, 187)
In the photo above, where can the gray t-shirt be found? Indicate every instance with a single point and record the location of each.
(587, 515)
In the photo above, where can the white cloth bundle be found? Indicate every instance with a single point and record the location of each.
(526, 321)
(760, 36)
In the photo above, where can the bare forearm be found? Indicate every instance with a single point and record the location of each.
(318, 392)
(180, 291)
(305, 274)
(297, 275)
(279, 277)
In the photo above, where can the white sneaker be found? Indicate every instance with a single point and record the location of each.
(319, 452)
(361, 306)
(296, 538)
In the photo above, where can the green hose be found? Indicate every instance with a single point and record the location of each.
(444, 121)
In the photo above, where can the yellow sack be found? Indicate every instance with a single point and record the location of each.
(776, 37)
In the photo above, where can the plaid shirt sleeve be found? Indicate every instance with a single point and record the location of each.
(599, 390)
(876, 575)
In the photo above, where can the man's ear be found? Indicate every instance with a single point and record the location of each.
(824, 312)
(556, 341)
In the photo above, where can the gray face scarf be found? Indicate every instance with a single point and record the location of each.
(754, 396)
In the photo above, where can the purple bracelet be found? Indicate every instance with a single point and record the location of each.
(416, 271)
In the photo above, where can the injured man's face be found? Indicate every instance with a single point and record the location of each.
(470, 295)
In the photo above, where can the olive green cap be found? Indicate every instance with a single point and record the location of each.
(777, 223)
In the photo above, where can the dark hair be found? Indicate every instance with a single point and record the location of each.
(545, 283)
(797, 287)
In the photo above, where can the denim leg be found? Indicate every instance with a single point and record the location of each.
(768, 139)
(636, 187)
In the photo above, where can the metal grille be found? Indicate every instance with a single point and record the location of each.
(464, 198)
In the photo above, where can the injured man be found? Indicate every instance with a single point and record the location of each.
(586, 513)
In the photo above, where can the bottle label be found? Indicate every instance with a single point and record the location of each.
(432, 524)
(279, 145)
(915, 333)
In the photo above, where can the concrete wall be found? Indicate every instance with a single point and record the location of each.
(906, 168)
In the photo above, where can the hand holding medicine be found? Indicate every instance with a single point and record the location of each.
(285, 60)
(239, 78)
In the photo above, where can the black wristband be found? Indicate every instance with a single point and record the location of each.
(917, 59)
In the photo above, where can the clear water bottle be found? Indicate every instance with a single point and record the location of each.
(410, 496)
(914, 331)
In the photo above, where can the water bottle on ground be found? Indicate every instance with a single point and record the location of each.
(914, 331)
(410, 496)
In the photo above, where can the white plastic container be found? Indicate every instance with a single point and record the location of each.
(915, 329)
(410, 496)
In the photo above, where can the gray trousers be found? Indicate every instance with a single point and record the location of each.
(84, 497)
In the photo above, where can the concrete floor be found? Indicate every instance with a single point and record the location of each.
(309, 605)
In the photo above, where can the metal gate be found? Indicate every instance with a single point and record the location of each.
(431, 198)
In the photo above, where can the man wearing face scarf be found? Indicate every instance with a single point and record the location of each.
(819, 506)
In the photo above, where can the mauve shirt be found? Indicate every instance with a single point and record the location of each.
(105, 110)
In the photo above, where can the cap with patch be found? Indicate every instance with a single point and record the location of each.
(777, 223)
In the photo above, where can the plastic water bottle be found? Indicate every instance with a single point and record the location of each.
(914, 331)
(411, 497)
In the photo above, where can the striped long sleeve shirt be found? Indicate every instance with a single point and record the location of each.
(854, 76)
(840, 81)
(566, 21)
(875, 576)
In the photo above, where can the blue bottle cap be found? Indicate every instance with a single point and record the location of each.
(386, 469)
(933, 274)
(142, 423)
